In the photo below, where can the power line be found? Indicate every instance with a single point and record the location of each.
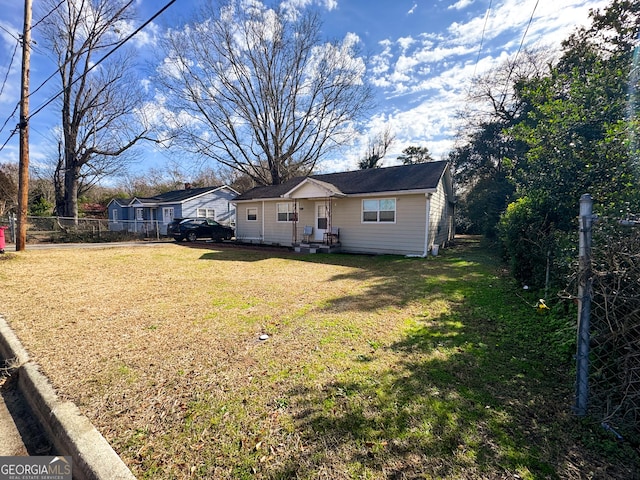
(484, 29)
(9, 118)
(515, 58)
(110, 52)
(12, 34)
(48, 14)
(10, 137)
(122, 42)
(4, 82)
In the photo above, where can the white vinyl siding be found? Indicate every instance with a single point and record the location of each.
(214, 205)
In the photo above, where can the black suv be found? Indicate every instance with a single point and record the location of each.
(173, 226)
(191, 230)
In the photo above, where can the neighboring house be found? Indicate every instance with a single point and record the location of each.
(402, 210)
(143, 214)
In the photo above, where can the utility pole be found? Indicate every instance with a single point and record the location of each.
(23, 171)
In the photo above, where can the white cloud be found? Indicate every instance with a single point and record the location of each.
(461, 4)
(413, 9)
(424, 76)
(295, 6)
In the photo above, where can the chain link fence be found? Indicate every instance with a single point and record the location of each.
(68, 230)
(613, 337)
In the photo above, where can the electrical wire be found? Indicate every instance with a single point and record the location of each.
(9, 118)
(52, 99)
(109, 53)
(47, 15)
(515, 58)
(484, 29)
(12, 34)
(4, 82)
(10, 137)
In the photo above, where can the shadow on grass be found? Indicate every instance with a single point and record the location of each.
(479, 392)
(445, 409)
(385, 280)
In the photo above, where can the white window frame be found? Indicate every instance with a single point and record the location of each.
(139, 213)
(289, 211)
(114, 214)
(379, 210)
(208, 213)
(252, 211)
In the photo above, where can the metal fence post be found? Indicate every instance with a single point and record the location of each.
(584, 305)
(12, 227)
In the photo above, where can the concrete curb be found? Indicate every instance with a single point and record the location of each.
(68, 430)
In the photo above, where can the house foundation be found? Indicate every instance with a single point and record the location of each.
(303, 247)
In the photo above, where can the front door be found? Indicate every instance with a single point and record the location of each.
(322, 220)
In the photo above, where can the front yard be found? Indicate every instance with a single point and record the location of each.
(375, 367)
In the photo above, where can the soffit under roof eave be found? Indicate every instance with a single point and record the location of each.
(419, 191)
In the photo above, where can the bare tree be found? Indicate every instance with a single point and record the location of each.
(100, 101)
(255, 89)
(493, 96)
(377, 149)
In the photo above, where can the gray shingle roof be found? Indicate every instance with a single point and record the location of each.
(421, 176)
(176, 196)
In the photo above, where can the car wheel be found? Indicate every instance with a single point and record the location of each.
(192, 237)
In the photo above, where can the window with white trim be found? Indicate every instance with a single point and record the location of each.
(286, 212)
(252, 214)
(381, 210)
(114, 214)
(139, 214)
(206, 213)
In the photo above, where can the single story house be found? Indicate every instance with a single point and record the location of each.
(404, 210)
(144, 214)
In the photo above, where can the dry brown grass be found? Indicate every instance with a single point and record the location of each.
(147, 341)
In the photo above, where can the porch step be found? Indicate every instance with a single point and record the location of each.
(316, 248)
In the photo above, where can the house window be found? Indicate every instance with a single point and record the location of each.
(114, 215)
(379, 211)
(167, 214)
(139, 214)
(252, 214)
(286, 212)
(206, 213)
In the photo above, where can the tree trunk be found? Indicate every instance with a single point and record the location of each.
(71, 193)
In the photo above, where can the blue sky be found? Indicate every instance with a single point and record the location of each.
(421, 56)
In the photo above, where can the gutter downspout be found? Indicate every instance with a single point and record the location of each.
(262, 231)
(427, 226)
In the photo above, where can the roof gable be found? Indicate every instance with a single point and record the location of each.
(311, 187)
